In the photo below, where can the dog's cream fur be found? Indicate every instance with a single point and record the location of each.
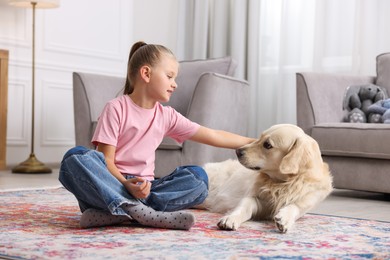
(280, 176)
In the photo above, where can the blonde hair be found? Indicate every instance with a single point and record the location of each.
(142, 54)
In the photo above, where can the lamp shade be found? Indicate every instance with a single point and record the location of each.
(39, 3)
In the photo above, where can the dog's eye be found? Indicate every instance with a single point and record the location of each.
(267, 145)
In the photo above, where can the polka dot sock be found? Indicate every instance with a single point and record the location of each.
(149, 217)
(98, 218)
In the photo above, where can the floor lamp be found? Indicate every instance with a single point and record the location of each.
(32, 164)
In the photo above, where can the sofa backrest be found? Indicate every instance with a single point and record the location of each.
(189, 74)
(320, 95)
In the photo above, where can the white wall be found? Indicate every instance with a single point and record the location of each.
(81, 35)
(155, 21)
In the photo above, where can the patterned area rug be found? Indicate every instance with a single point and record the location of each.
(43, 224)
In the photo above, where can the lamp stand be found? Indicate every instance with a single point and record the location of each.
(32, 164)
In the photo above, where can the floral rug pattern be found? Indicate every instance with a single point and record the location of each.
(43, 224)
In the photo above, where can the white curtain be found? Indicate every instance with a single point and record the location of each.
(273, 39)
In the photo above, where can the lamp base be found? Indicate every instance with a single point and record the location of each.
(31, 165)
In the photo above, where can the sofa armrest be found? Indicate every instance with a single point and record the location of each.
(82, 115)
(320, 97)
(219, 102)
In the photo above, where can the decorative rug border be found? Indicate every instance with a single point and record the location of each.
(338, 216)
(32, 188)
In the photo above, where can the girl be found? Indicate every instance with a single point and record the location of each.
(115, 182)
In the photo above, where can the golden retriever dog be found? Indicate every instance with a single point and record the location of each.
(280, 176)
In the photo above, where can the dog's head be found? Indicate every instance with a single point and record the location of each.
(281, 149)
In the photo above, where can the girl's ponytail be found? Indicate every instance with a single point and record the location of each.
(128, 88)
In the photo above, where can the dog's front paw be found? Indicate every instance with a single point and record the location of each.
(229, 222)
(285, 218)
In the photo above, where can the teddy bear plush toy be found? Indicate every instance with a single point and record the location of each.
(382, 107)
(357, 101)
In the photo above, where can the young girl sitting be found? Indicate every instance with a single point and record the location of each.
(115, 182)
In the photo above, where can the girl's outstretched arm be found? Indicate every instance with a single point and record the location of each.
(220, 138)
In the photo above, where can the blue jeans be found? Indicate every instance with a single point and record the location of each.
(84, 173)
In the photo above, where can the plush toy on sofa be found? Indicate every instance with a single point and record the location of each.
(358, 99)
(382, 107)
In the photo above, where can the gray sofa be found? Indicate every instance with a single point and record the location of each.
(207, 94)
(358, 153)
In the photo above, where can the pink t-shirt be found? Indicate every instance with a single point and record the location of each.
(136, 133)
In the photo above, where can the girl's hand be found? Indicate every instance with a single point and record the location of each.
(138, 187)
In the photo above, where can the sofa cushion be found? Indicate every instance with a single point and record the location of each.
(383, 71)
(189, 74)
(353, 139)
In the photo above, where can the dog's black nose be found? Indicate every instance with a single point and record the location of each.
(239, 152)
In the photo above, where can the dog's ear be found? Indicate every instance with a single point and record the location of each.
(296, 157)
(302, 152)
(291, 162)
